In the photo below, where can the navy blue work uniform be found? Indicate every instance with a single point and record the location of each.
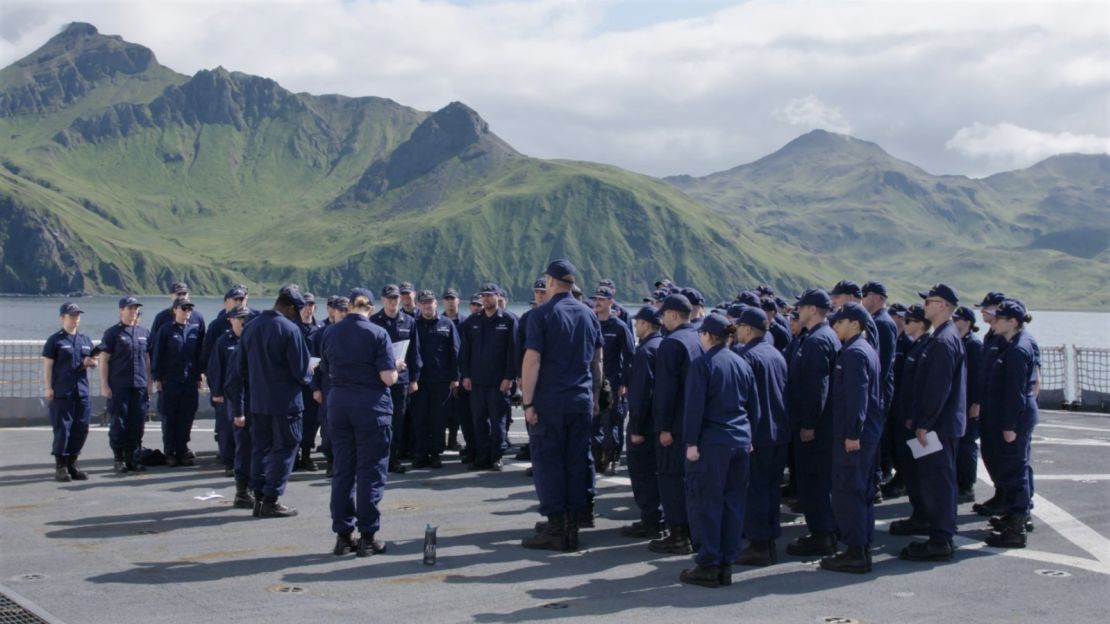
(311, 407)
(360, 415)
(319, 382)
(237, 397)
(903, 413)
(274, 366)
(399, 328)
(175, 363)
(780, 335)
(128, 347)
(807, 391)
(642, 463)
(1010, 395)
(770, 437)
(608, 426)
(967, 458)
(486, 357)
(939, 404)
(165, 317)
(566, 334)
(892, 431)
(219, 371)
(460, 402)
(857, 414)
(215, 329)
(990, 435)
(672, 362)
(719, 404)
(439, 368)
(70, 410)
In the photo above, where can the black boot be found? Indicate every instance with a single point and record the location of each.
(572, 531)
(910, 526)
(1011, 534)
(895, 488)
(185, 459)
(854, 560)
(643, 530)
(71, 468)
(435, 462)
(306, 461)
(129, 460)
(759, 554)
(677, 542)
(257, 513)
(395, 465)
(812, 544)
(998, 523)
(61, 475)
(724, 576)
(367, 545)
(243, 498)
(705, 576)
(993, 506)
(422, 461)
(966, 495)
(271, 508)
(343, 544)
(931, 550)
(119, 465)
(553, 536)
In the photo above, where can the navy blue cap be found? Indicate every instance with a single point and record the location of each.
(714, 325)
(129, 300)
(608, 283)
(603, 292)
(752, 316)
(663, 283)
(476, 298)
(736, 310)
(649, 314)
(768, 305)
(239, 312)
(291, 294)
(70, 308)
(964, 313)
(241, 287)
(694, 296)
(748, 297)
(391, 290)
(184, 303)
(897, 309)
(992, 298)
(309, 299)
(816, 297)
(489, 288)
(794, 315)
(851, 312)
(331, 300)
(656, 295)
(425, 296)
(562, 270)
(501, 292)
(780, 303)
(916, 312)
(943, 291)
(235, 293)
(874, 287)
(343, 303)
(678, 303)
(1011, 308)
(179, 287)
(450, 293)
(540, 284)
(847, 287)
(406, 287)
(360, 292)
(765, 290)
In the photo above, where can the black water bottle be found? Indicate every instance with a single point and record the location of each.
(430, 545)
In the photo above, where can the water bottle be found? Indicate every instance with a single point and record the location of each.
(430, 545)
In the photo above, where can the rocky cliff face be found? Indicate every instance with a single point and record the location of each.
(36, 253)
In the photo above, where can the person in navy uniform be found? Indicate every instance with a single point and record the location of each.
(642, 441)
(679, 348)
(608, 429)
(408, 299)
(807, 389)
(357, 358)
(967, 458)
(917, 330)
(233, 396)
(274, 366)
(697, 305)
(179, 290)
(1011, 398)
(235, 296)
(770, 437)
(561, 382)
(221, 366)
(309, 326)
(939, 405)
(175, 369)
(124, 378)
(720, 404)
(780, 333)
(338, 307)
(885, 342)
(66, 357)
(400, 327)
(539, 297)
(857, 424)
(893, 485)
(459, 407)
(989, 433)
(847, 291)
(488, 368)
(618, 310)
(439, 376)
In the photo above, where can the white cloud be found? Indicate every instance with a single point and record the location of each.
(554, 82)
(1011, 145)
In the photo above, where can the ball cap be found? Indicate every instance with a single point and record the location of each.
(694, 296)
(752, 316)
(608, 283)
(851, 312)
(562, 270)
(748, 297)
(291, 294)
(1011, 308)
(235, 293)
(992, 298)
(406, 287)
(425, 296)
(916, 312)
(360, 292)
(391, 290)
(70, 308)
(450, 293)
(178, 288)
(489, 288)
(540, 284)
(943, 291)
(603, 292)
(678, 303)
(183, 303)
(816, 297)
(714, 325)
(647, 313)
(874, 287)
(129, 300)
(847, 287)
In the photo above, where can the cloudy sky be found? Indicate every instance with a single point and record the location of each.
(664, 87)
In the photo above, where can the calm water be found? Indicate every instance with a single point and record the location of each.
(34, 318)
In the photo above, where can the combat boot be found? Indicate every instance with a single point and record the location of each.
(257, 513)
(553, 536)
(71, 468)
(677, 542)
(243, 498)
(61, 475)
(343, 544)
(129, 461)
(705, 576)
(759, 554)
(724, 576)
(823, 544)
(854, 559)
(643, 530)
(999, 522)
(1012, 534)
(271, 508)
(118, 465)
(367, 545)
(572, 531)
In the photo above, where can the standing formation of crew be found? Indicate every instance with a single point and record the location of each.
(859, 399)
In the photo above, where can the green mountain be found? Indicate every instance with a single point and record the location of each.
(1041, 232)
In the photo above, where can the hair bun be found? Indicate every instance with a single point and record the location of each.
(1028, 318)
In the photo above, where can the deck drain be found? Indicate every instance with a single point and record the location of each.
(1053, 573)
(836, 619)
(12, 611)
(287, 589)
(556, 605)
(34, 576)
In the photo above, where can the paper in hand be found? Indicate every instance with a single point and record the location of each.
(932, 445)
(313, 362)
(400, 348)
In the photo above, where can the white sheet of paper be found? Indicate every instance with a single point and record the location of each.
(932, 445)
(313, 362)
(209, 496)
(400, 349)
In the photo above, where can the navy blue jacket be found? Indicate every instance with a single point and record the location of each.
(402, 327)
(69, 378)
(939, 391)
(672, 362)
(617, 353)
(772, 425)
(792, 347)
(888, 345)
(856, 400)
(127, 347)
(902, 348)
(439, 349)
(1010, 388)
(175, 354)
(780, 335)
(219, 361)
(903, 393)
(486, 354)
(807, 388)
(310, 330)
(274, 364)
(165, 317)
(973, 347)
(354, 353)
(566, 334)
(215, 329)
(720, 400)
(519, 338)
(641, 386)
(235, 391)
(319, 382)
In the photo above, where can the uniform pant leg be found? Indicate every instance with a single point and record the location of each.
(311, 421)
(908, 466)
(852, 498)
(225, 436)
(440, 410)
(374, 437)
(499, 428)
(242, 436)
(1015, 474)
(466, 420)
(344, 461)
(135, 422)
(705, 502)
(644, 473)
(325, 430)
(967, 462)
(548, 444)
(419, 407)
(399, 392)
(480, 409)
(168, 408)
(190, 400)
(579, 476)
(937, 476)
(79, 429)
(764, 494)
(814, 460)
(262, 439)
(286, 437)
(118, 407)
(732, 522)
(671, 462)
